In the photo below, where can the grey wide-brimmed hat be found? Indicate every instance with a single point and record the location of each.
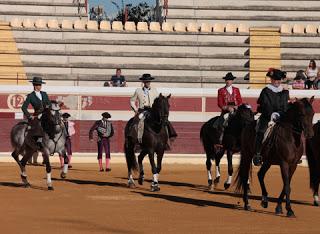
(37, 80)
(146, 77)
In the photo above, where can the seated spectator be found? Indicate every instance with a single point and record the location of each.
(312, 73)
(298, 82)
(92, 14)
(117, 80)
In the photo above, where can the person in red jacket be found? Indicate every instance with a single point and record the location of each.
(229, 98)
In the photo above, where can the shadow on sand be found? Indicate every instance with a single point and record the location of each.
(91, 182)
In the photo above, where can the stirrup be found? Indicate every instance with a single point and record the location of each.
(257, 160)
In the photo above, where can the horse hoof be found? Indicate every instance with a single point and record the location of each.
(209, 182)
(247, 207)
(141, 180)
(316, 203)
(131, 185)
(155, 188)
(279, 210)
(264, 204)
(50, 188)
(27, 185)
(249, 191)
(211, 188)
(290, 214)
(216, 180)
(63, 175)
(226, 186)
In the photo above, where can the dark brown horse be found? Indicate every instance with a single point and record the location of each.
(284, 147)
(154, 140)
(313, 156)
(230, 142)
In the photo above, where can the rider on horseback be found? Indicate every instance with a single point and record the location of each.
(229, 98)
(272, 103)
(39, 100)
(145, 97)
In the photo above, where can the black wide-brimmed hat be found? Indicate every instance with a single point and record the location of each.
(106, 115)
(276, 74)
(300, 75)
(229, 76)
(36, 80)
(66, 115)
(146, 77)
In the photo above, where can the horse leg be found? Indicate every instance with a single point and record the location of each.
(141, 170)
(48, 170)
(286, 173)
(230, 170)
(22, 165)
(154, 184)
(208, 165)
(217, 161)
(64, 171)
(159, 165)
(261, 174)
(316, 195)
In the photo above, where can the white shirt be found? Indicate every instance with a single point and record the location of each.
(229, 89)
(38, 94)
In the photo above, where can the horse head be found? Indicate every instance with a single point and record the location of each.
(52, 115)
(301, 114)
(245, 114)
(161, 107)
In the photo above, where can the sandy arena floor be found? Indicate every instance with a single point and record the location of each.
(89, 201)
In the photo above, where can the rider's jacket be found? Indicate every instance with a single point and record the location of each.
(145, 98)
(225, 98)
(37, 104)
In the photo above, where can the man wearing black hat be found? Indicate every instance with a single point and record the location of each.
(39, 100)
(105, 131)
(272, 103)
(145, 97)
(229, 98)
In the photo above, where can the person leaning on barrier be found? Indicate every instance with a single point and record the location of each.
(229, 98)
(39, 100)
(145, 97)
(272, 104)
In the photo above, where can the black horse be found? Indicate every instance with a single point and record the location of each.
(154, 140)
(230, 142)
(313, 156)
(283, 146)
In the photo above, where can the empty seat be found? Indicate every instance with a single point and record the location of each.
(192, 27)
(231, 28)
(117, 25)
(180, 27)
(155, 27)
(66, 24)
(218, 27)
(40, 23)
(105, 25)
(286, 29)
(79, 25)
(205, 27)
(92, 25)
(167, 27)
(28, 23)
(142, 26)
(243, 28)
(130, 26)
(53, 24)
(298, 29)
(311, 29)
(16, 23)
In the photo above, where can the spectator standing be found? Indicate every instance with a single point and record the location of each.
(117, 80)
(105, 131)
(312, 74)
(298, 82)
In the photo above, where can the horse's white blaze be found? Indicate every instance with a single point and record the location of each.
(229, 180)
(316, 198)
(155, 178)
(65, 168)
(217, 171)
(209, 175)
(49, 181)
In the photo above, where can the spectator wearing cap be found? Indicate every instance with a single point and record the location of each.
(298, 82)
(105, 131)
(117, 80)
(229, 98)
(70, 131)
(272, 103)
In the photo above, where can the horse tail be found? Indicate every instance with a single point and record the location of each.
(314, 165)
(129, 148)
(206, 138)
(247, 151)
